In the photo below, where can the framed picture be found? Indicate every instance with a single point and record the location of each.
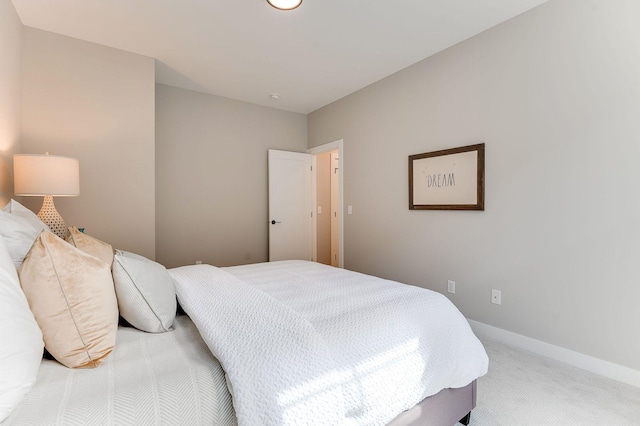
(450, 179)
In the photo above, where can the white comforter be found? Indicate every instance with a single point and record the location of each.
(303, 343)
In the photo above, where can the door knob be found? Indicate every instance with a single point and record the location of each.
(273, 222)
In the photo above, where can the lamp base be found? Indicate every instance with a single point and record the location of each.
(50, 216)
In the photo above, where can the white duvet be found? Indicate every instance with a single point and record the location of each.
(304, 343)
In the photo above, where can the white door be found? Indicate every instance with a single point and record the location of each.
(290, 206)
(335, 207)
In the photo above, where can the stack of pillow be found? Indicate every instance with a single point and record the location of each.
(68, 294)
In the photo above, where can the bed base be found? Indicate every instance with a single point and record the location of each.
(446, 408)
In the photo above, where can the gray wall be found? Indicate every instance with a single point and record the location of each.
(10, 95)
(555, 95)
(95, 103)
(211, 175)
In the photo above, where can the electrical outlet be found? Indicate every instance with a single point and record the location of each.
(198, 262)
(451, 287)
(496, 297)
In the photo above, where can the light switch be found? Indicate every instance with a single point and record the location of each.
(349, 209)
(319, 209)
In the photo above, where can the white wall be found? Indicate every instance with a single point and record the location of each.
(10, 94)
(555, 95)
(97, 104)
(211, 176)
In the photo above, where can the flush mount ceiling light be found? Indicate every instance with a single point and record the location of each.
(284, 4)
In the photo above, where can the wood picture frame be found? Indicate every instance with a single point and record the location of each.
(449, 179)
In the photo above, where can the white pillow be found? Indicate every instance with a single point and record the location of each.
(146, 296)
(21, 344)
(19, 230)
(18, 209)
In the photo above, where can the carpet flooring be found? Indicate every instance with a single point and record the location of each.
(526, 389)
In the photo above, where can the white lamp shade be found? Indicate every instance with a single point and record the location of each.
(39, 175)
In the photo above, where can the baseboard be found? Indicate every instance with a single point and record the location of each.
(595, 365)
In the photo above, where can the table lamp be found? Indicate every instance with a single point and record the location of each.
(48, 176)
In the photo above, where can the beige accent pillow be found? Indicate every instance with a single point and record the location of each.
(91, 245)
(72, 297)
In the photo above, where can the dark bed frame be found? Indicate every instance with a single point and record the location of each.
(446, 408)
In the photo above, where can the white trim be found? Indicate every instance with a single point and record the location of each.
(332, 146)
(595, 365)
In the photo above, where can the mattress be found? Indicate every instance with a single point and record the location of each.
(150, 379)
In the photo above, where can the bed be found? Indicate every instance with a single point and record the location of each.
(144, 383)
(289, 342)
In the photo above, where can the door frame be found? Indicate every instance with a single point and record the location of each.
(331, 146)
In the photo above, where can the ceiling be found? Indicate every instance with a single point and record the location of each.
(247, 50)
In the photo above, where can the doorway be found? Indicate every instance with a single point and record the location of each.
(328, 239)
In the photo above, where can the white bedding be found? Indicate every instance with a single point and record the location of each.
(321, 345)
(149, 379)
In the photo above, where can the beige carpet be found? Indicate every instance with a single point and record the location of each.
(526, 389)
